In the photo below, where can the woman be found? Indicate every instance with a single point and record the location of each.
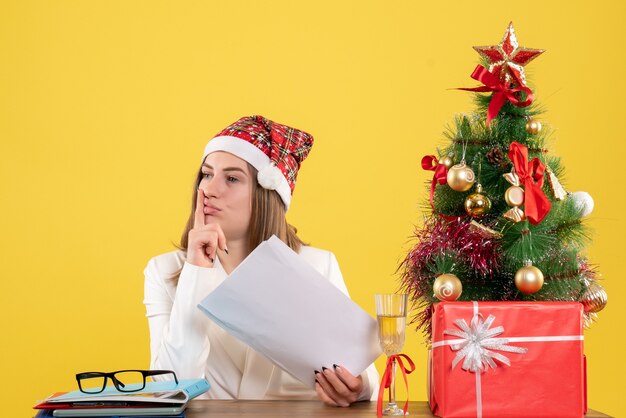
(242, 192)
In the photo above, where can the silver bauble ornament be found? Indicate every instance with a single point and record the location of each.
(584, 202)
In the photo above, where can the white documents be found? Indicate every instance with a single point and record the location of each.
(279, 305)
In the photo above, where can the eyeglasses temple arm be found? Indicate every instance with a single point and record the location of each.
(157, 372)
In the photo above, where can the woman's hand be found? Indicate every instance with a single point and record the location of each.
(204, 240)
(338, 387)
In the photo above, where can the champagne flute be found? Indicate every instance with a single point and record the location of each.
(391, 312)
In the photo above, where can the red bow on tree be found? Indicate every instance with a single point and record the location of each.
(530, 173)
(501, 92)
(430, 163)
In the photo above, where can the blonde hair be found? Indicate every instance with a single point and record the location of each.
(268, 218)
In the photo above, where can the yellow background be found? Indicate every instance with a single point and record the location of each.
(105, 107)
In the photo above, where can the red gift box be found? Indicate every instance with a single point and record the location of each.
(507, 359)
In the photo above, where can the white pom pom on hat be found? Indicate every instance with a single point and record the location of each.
(270, 177)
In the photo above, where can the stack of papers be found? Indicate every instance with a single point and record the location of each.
(283, 308)
(157, 399)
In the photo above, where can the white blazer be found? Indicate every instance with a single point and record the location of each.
(183, 339)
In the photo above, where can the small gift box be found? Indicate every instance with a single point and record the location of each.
(507, 359)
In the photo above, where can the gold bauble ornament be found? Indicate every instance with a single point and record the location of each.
(533, 127)
(447, 161)
(477, 204)
(447, 287)
(528, 279)
(461, 177)
(595, 298)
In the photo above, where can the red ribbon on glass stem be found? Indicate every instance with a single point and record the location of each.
(385, 382)
(430, 163)
(501, 93)
(530, 173)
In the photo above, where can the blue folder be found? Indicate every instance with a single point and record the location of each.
(47, 413)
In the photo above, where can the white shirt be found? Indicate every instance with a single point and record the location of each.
(184, 340)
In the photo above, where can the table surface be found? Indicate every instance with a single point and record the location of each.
(238, 408)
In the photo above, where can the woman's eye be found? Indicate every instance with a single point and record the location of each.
(206, 175)
(232, 179)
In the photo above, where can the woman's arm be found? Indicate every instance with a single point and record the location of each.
(178, 330)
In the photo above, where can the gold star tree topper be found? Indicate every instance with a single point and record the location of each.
(508, 59)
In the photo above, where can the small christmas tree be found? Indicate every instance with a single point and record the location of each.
(502, 227)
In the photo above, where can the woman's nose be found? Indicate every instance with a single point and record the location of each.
(210, 187)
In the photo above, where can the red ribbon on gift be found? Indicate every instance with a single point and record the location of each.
(501, 93)
(530, 173)
(430, 163)
(386, 380)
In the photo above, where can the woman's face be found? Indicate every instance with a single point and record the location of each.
(227, 185)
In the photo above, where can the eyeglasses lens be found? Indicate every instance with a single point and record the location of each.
(92, 384)
(129, 380)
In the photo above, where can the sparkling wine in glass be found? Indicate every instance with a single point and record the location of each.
(391, 311)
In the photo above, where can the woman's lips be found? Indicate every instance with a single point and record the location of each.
(211, 210)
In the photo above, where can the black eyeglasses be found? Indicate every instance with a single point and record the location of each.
(96, 382)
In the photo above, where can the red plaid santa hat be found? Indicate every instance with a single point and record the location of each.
(275, 150)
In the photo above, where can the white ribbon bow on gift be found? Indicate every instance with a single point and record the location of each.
(477, 342)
